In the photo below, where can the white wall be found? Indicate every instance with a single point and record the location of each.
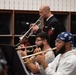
(56, 5)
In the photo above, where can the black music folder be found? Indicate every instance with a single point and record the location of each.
(14, 61)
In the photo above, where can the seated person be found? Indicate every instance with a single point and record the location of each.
(42, 42)
(65, 61)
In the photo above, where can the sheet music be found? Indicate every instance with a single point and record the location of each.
(22, 63)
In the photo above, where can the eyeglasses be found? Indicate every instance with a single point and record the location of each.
(38, 40)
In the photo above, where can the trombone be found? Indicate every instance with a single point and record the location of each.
(26, 34)
(29, 32)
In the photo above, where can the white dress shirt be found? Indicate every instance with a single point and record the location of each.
(64, 64)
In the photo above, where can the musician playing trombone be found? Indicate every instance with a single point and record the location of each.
(65, 61)
(42, 42)
(51, 24)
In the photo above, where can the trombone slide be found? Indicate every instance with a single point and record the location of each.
(25, 35)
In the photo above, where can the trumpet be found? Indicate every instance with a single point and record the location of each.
(26, 47)
(28, 51)
(29, 32)
(32, 55)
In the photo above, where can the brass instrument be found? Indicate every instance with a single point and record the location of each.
(38, 53)
(23, 48)
(29, 32)
(33, 55)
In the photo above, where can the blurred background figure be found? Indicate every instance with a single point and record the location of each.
(3, 64)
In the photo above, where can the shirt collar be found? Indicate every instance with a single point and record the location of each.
(49, 17)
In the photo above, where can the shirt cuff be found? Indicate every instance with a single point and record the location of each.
(47, 69)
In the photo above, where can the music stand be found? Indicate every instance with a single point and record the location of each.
(14, 61)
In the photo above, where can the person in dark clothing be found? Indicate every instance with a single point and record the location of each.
(53, 28)
(51, 25)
